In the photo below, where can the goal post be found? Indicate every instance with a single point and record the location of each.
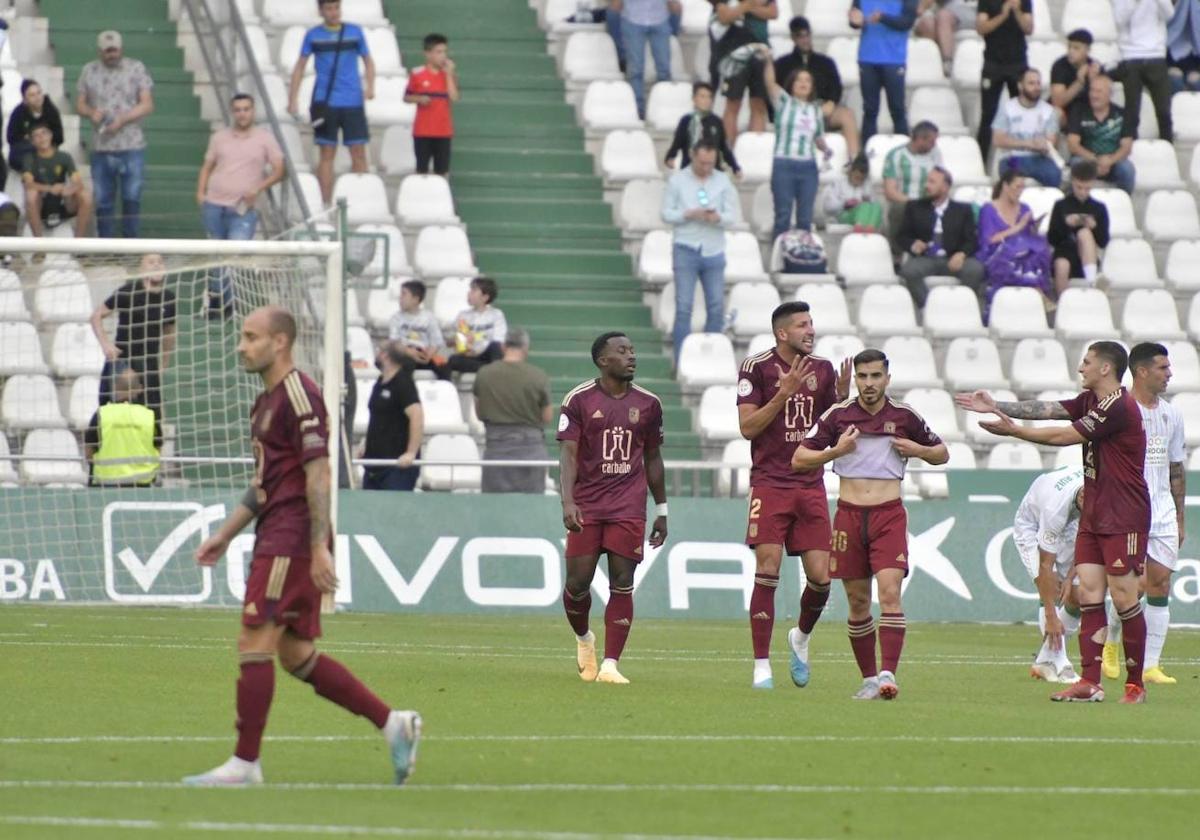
(62, 537)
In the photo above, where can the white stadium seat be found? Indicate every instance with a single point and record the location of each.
(650, 71)
(967, 66)
(75, 351)
(655, 260)
(924, 65)
(911, 363)
(1129, 264)
(865, 259)
(608, 105)
(939, 104)
(827, 304)
(706, 359)
(827, 17)
(1014, 455)
(12, 299)
(385, 52)
(1193, 318)
(1041, 201)
(289, 13)
(441, 407)
(442, 252)
(936, 406)
(1082, 314)
(260, 48)
(1171, 214)
(664, 314)
(1121, 220)
(362, 350)
(20, 349)
(1150, 315)
(877, 152)
(1156, 165)
(953, 311)
(366, 198)
(362, 404)
(750, 306)
(1189, 406)
(640, 208)
(396, 155)
(743, 258)
(730, 482)
(1043, 28)
(960, 155)
(52, 443)
(396, 256)
(1185, 116)
(84, 401)
(755, 153)
(9, 476)
(425, 200)
(1039, 364)
(628, 154)
(364, 12)
(838, 347)
(666, 104)
(449, 298)
(1095, 17)
(388, 107)
(718, 414)
(887, 311)
(1182, 260)
(383, 303)
(448, 477)
(588, 56)
(973, 363)
(1185, 365)
(310, 190)
(62, 295)
(844, 51)
(970, 425)
(30, 402)
(762, 210)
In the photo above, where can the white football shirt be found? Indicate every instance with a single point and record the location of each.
(1047, 516)
(1164, 446)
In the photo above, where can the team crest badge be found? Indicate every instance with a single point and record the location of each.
(889, 428)
(811, 382)
(634, 415)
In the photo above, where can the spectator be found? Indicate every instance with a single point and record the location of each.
(479, 331)
(799, 132)
(35, 107)
(938, 20)
(701, 124)
(416, 330)
(1142, 39)
(882, 56)
(114, 93)
(1071, 74)
(1078, 229)
(827, 79)
(644, 21)
(432, 88)
(1029, 127)
(736, 27)
(1004, 25)
(848, 200)
(1099, 132)
(10, 223)
(122, 430)
(906, 172)
(145, 337)
(339, 91)
(1012, 251)
(512, 398)
(396, 424)
(700, 201)
(1183, 47)
(938, 235)
(54, 189)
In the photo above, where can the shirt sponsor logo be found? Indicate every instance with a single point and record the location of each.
(597, 414)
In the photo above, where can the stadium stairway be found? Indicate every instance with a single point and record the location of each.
(533, 205)
(176, 136)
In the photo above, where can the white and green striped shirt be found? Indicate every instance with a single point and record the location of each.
(797, 126)
(910, 170)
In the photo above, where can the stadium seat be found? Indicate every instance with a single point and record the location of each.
(75, 351)
(951, 312)
(762, 210)
(52, 443)
(655, 259)
(383, 303)
(960, 155)
(362, 349)
(366, 198)
(62, 295)
(835, 348)
(911, 363)
(730, 482)
(1041, 56)
(628, 154)
(1014, 455)
(1121, 220)
(1189, 406)
(877, 152)
(12, 299)
(887, 311)
(8, 476)
(588, 56)
(1157, 167)
(362, 404)
(827, 303)
(924, 65)
(1182, 260)
(279, 13)
(935, 483)
(640, 207)
(441, 407)
(844, 51)
(385, 52)
(664, 313)
(760, 343)
(1095, 17)
(84, 401)
(973, 363)
(1041, 201)
(1043, 29)
(310, 191)
(442, 252)
(743, 258)
(396, 255)
(1129, 264)
(1082, 314)
(755, 152)
(828, 18)
(677, 63)
(937, 407)
(750, 306)
(449, 477)
(609, 105)
(396, 155)
(667, 103)
(1150, 315)
(30, 402)
(425, 200)
(1185, 365)
(1039, 364)
(1185, 116)
(718, 414)
(865, 259)
(555, 17)
(967, 66)
(388, 107)
(258, 46)
(939, 104)
(1193, 318)
(977, 436)
(20, 349)
(706, 359)
(450, 298)
(1170, 215)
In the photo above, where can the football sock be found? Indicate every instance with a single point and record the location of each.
(891, 639)
(1069, 616)
(255, 688)
(862, 642)
(1133, 623)
(331, 680)
(762, 613)
(1089, 273)
(812, 602)
(618, 618)
(1091, 640)
(1158, 616)
(1114, 623)
(577, 608)
(762, 669)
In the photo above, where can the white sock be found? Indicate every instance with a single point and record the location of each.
(1070, 622)
(1114, 624)
(608, 663)
(589, 636)
(1157, 619)
(801, 644)
(392, 728)
(762, 669)
(1089, 274)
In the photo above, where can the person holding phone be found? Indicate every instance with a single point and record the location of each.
(1011, 249)
(1078, 229)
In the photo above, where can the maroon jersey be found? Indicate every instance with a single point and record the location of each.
(771, 452)
(613, 436)
(873, 455)
(288, 428)
(1115, 497)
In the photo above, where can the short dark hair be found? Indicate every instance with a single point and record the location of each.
(799, 24)
(1084, 170)
(434, 39)
(699, 86)
(1029, 70)
(866, 357)
(860, 164)
(239, 96)
(787, 310)
(488, 286)
(321, 3)
(26, 84)
(415, 288)
(945, 173)
(704, 145)
(1080, 36)
(1143, 354)
(924, 127)
(394, 350)
(40, 124)
(1113, 353)
(601, 342)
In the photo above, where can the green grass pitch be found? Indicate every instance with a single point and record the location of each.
(102, 710)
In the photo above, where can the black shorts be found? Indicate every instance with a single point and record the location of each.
(351, 122)
(1070, 251)
(432, 150)
(749, 77)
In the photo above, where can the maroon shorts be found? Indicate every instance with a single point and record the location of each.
(796, 518)
(624, 538)
(281, 590)
(868, 539)
(1119, 554)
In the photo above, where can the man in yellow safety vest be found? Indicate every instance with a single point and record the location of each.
(123, 439)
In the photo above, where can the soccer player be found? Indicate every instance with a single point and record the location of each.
(1166, 480)
(870, 439)
(1044, 531)
(610, 432)
(780, 393)
(1111, 547)
(293, 563)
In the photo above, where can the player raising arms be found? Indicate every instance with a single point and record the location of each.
(292, 562)
(1111, 547)
(780, 393)
(611, 433)
(870, 439)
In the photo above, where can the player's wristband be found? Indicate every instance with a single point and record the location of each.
(660, 510)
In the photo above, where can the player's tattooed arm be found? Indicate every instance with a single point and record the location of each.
(1179, 492)
(1034, 410)
(316, 490)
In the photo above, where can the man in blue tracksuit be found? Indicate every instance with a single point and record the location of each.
(882, 54)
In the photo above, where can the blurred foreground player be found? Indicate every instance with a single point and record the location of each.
(610, 431)
(293, 563)
(1110, 550)
(870, 439)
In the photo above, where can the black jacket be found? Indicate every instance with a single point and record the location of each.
(711, 128)
(958, 227)
(823, 68)
(1060, 234)
(20, 124)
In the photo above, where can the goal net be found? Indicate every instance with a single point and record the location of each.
(119, 528)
